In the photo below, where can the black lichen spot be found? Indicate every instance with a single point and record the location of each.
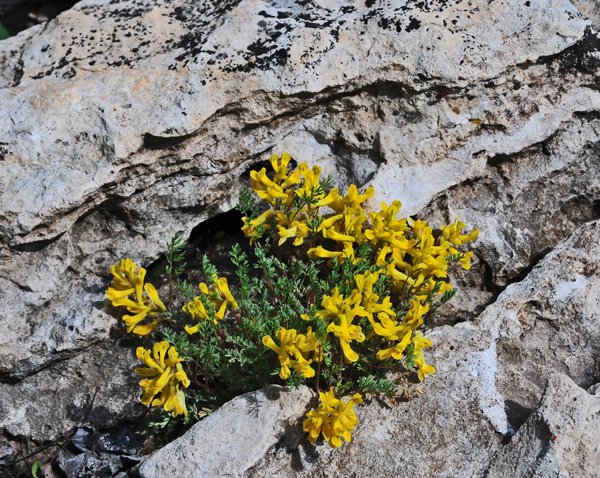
(580, 56)
(258, 48)
(335, 33)
(413, 25)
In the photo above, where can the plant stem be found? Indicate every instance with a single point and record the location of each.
(319, 375)
(207, 388)
(170, 291)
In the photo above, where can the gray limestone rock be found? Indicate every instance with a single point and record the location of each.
(234, 438)
(559, 440)
(591, 9)
(97, 387)
(123, 122)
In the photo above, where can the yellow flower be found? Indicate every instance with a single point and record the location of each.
(294, 350)
(466, 261)
(221, 299)
(364, 286)
(311, 180)
(352, 199)
(327, 223)
(336, 236)
(250, 227)
(452, 233)
(309, 343)
(313, 423)
(265, 188)
(196, 309)
(298, 229)
(342, 313)
(419, 343)
(334, 418)
(124, 279)
(317, 252)
(164, 376)
(146, 304)
(332, 197)
(397, 350)
(222, 287)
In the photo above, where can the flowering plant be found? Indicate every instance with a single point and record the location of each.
(338, 301)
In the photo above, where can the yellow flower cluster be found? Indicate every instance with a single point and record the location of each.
(294, 351)
(414, 259)
(406, 250)
(334, 418)
(220, 298)
(164, 376)
(145, 303)
(290, 222)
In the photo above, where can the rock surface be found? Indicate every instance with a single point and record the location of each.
(490, 382)
(233, 438)
(559, 439)
(125, 121)
(591, 9)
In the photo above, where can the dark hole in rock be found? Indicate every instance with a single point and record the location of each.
(18, 15)
(215, 238)
(153, 142)
(516, 414)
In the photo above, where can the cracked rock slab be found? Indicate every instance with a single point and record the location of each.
(232, 439)
(123, 122)
(561, 439)
(96, 387)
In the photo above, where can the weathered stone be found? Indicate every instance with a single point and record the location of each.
(120, 442)
(90, 465)
(97, 387)
(524, 205)
(591, 9)
(353, 129)
(123, 122)
(245, 428)
(561, 439)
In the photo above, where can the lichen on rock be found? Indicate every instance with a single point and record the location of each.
(124, 121)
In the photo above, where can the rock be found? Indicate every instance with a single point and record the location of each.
(92, 465)
(5, 453)
(594, 389)
(123, 122)
(244, 429)
(590, 9)
(561, 439)
(97, 387)
(120, 442)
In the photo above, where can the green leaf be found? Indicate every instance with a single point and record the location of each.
(455, 257)
(36, 469)
(175, 253)
(3, 36)
(448, 295)
(410, 357)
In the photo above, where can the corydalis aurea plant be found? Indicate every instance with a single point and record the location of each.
(337, 301)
